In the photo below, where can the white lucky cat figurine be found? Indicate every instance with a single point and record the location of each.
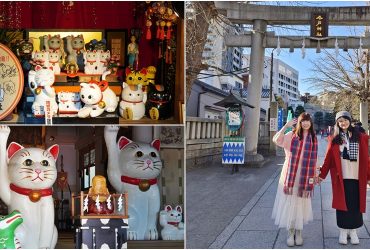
(132, 105)
(92, 62)
(27, 176)
(54, 62)
(75, 50)
(41, 58)
(69, 102)
(134, 168)
(40, 82)
(54, 44)
(98, 97)
(104, 57)
(170, 219)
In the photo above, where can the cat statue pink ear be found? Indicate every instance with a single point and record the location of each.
(178, 209)
(123, 142)
(12, 149)
(54, 151)
(168, 208)
(156, 144)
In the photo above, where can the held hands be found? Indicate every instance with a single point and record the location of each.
(318, 180)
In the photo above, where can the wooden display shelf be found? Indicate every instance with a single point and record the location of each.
(148, 121)
(155, 244)
(73, 88)
(82, 77)
(105, 118)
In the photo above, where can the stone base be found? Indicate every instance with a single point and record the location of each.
(255, 160)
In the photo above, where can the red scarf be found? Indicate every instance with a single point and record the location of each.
(306, 180)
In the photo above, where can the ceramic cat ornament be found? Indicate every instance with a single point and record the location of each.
(171, 221)
(26, 179)
(134, 167)
(97, 97)
(132, 105)
(40, 82)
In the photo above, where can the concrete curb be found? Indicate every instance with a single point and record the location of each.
(225, 235)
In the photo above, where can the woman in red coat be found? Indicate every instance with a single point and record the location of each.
(347, 159)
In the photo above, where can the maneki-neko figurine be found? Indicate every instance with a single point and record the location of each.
(99, 200)
(41, 82)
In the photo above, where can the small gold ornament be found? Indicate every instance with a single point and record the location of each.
(38, 90)
(35, 195)
(154, 113)
(144, 185)
(101, 104)
(129, 114)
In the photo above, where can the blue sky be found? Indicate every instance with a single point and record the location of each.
(295, 59)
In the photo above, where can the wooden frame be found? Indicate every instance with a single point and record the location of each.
(82, 215)
(117, 43)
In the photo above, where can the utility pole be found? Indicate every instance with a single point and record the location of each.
(273, 106)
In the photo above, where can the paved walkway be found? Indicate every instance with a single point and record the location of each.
(216, 218)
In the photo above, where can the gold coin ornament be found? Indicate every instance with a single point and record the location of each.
(129, 114)
(144, 185)
(35, 196)
(154, 113)
(12, 81)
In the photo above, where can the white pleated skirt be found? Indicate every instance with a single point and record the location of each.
(291, 211)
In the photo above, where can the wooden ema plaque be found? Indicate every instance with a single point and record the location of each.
(11, 81)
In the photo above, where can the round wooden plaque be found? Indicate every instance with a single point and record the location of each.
(11, 81)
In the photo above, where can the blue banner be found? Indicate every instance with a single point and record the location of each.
(233, 150)
(280, 119)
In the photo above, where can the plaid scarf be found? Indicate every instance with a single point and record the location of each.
(350, 149)
(306, 182)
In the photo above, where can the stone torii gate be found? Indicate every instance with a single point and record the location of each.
(261, 15)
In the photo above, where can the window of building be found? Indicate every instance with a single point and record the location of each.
(87, 163)
(238, 85)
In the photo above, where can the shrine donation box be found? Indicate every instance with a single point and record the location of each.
(103, 220)
(102, 233)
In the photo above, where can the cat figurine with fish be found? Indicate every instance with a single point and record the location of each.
(27, 176)
(134, 167)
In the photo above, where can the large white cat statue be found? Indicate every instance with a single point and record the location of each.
(171, 221)
(27, 176)
(134, 167)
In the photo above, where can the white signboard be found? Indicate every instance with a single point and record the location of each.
(273, 124)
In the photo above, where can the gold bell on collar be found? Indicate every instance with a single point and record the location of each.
(35, 195)
(144, 185)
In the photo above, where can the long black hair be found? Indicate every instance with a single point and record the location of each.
(354, 133)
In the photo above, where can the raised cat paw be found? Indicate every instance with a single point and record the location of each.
(132, 235)
(151, 234)
(5, 130)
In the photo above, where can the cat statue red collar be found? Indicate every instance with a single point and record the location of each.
(137, 162)
(26, 179)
